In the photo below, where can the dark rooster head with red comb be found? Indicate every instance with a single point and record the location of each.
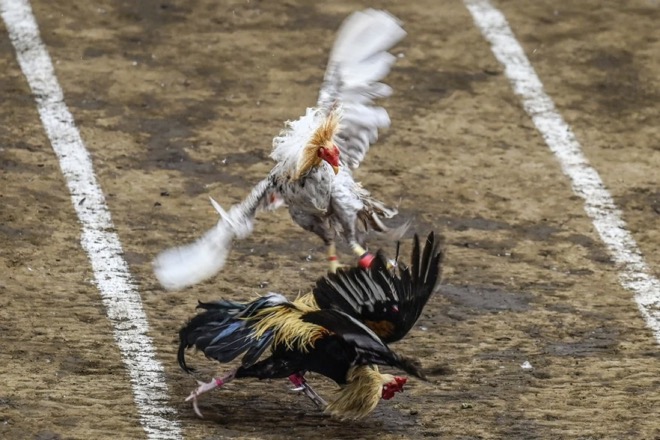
(391, 388)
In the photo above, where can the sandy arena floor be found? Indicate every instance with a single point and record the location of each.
(179, 100)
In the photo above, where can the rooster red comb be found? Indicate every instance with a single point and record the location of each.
(391, 388)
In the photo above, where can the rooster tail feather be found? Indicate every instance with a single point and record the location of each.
(223, 331)
(255, 352)
(374, 211)
(186, 265)
(181, 355)
(372, 218)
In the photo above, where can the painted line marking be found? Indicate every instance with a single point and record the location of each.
(121, 300)
(635, 274)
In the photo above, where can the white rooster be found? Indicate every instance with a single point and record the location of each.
(314, 157)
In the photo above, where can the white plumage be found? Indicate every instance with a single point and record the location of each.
(314, 155)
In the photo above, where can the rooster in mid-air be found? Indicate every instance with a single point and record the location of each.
(314, 155)
(340, 330)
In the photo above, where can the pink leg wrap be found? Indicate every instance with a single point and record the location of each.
(365, 260)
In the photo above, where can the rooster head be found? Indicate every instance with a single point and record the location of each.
(321, 147)
(331, 155)
(393, 387)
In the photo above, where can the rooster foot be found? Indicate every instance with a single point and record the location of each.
(332, 258)
(334, 264)
(205, 387)
(301, 384)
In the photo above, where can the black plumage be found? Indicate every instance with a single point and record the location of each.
(388, 301)
(340, 330)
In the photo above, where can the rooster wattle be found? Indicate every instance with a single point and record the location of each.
(314, 155)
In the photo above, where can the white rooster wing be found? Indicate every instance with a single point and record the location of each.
(358, 61)
(186, 265)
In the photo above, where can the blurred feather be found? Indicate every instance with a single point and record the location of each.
(314, 156)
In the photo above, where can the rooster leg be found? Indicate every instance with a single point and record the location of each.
(208, 386)
(366, 258)
(301, 385)
(332, 257)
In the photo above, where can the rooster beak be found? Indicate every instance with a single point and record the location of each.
(335, 169)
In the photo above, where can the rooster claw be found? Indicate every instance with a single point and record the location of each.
(301, 385)
(196, 409)
(203, 387)
(207, 386)
(318, 400)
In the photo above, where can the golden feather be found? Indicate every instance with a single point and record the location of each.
(287, 326)
(364, 387)
(360, 395)
(322, 137)
(306, 303)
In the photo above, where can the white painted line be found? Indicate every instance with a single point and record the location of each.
(598, 203)
(120, 297)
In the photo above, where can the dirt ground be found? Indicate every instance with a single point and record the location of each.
(179, 100)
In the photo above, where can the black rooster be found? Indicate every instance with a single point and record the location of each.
(340, 331)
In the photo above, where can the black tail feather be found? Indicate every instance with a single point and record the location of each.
(181, 353)
(222, 333)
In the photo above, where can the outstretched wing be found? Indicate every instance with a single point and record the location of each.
(183, 266)
(371, 349)
(358, 61)
(387, 302)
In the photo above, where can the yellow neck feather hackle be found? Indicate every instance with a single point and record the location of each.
(287, 326)
(361, 394)
(322, 137)
(306, 303)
